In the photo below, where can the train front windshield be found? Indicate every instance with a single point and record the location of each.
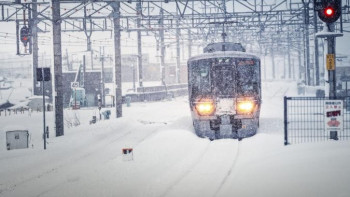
(225, 77)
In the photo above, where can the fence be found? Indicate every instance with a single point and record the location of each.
(309, 119)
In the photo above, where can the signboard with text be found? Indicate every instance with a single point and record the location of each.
(330, 62)
(333, 116)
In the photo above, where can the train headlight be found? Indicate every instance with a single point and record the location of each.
(205, 107)
(245, 107)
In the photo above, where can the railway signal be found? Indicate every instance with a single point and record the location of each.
(24, 34)
(329, 11)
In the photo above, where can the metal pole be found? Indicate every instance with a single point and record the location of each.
(69, 66)
(35, 45)
(139, 44)
(92, 59)
(284, 65)
(30, 23)
(177, 73)
(117, 59)
(273, 63)
(317, 64)
(57, 63)
(17, 37)
(44, 120)
(84, 72)
(331, 73)
(133, 77)
(189, 43)
(288, 54)
(285, 122)
(293, 68)
(162, 47)
(307, 43)
(299, 67)
(103, 76)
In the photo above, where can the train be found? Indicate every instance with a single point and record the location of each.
(224, 85)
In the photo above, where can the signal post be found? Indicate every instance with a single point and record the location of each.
(329, 12)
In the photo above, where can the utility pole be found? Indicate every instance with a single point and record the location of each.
(307, 42)
(162, 47)
(57, 63)
(317, 64)
(69, 66)
(34, 26)
(92, 59)
(102, 59)
(117, 59)
(300, 65)
(273, 62)
(139, 44)
(44, 107)
(177, 74)
(189, 43)
(84, 72)
(331, 72)
(288, 54)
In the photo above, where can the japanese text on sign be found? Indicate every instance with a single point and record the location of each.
(333, 116)
(330, 62)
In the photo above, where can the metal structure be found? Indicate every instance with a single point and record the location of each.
(270, 26)
(305, 120)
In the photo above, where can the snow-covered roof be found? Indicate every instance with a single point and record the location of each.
(37, 97)
(217, 54)
(20, 105)
(13, 128)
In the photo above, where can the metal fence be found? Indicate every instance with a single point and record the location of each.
(310, 119)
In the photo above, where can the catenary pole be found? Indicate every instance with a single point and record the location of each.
(57, 64)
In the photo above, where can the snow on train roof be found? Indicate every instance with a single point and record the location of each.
(223, 54)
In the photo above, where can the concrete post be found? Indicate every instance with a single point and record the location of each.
(34, 26)
(57, 64)
(117, 59)
(139, 43)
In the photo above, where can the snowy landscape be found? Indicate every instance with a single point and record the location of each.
(168, 158)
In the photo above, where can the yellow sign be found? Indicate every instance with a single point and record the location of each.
(330, 62)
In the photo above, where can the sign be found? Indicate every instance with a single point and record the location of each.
(43, 71)
(74, 84)
(330, 62)
(333, 116)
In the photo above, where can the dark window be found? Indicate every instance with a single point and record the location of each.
(16, 136)
(200, 77)
(248, 77)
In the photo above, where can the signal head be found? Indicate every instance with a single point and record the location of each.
(329, 11)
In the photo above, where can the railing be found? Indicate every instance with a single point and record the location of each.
(310, 119)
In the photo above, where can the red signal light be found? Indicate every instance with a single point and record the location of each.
(25, 38)
(329, 12)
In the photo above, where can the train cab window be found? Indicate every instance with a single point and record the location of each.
(248, 76)
(200, 76)
(223, 75)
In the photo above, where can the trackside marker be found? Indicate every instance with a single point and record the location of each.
(127, 154)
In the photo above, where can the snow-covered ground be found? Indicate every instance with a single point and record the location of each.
(168, 158)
